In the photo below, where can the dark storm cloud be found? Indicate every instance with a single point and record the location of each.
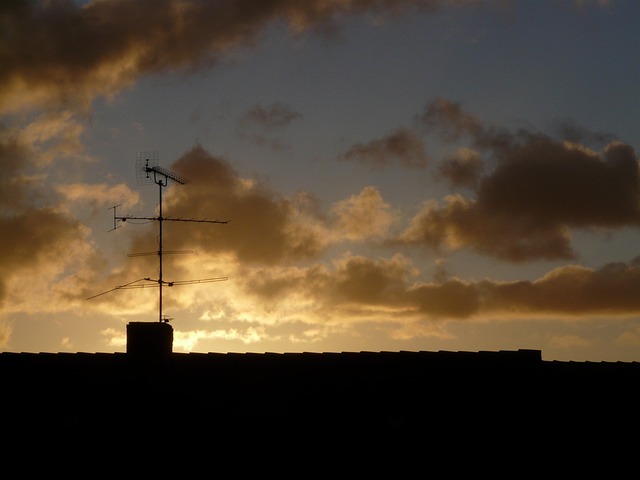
(569, 290)
(403, 147)
(14, 158)
(63, 52)
(451, 298)
(34, 238)
(372, 284)
(463, 169)
(370, 281)
(573, 290)
(31, 234)
(552, 183)
(355, 281)
(535, 190)
(261, 226)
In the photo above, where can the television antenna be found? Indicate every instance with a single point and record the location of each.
(147, 172)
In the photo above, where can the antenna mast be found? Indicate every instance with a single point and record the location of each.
(148, 171)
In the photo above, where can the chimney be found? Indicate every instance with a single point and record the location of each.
(149, 340)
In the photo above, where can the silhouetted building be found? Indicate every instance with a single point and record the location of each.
(491, 402)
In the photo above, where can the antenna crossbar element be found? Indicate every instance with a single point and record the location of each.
(124, 218)
(167, 174)
(202, 280)
(156, 283)
(157, 252)
(147, 170)
(193, 220)
(133, 284)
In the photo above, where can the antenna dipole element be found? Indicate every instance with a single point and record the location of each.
(145, 160)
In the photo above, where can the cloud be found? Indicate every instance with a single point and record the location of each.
(461, 223)
(403, 147)
(274, 116)
(6, 330)
(38, 229)
(354, 287)
(98, 195)
(462, 169)
(263, 226)
(535, 190)
(58, 57)
(43, 250)
(451, 121)
(571, 131)
(361, 287)
(27, 151)
(259, 120)
(554, 182)
(357, 288)
(56, 53)
(569, 341)
(365, 281)
(187, 341)
(572, 290)
(46, 246)
(362, 216)
(264, 230)
(630, 337)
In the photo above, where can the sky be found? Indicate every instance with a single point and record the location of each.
(375, 175)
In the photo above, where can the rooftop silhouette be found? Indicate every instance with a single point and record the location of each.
(386, 400)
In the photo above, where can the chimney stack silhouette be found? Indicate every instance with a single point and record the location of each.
(149, 340)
